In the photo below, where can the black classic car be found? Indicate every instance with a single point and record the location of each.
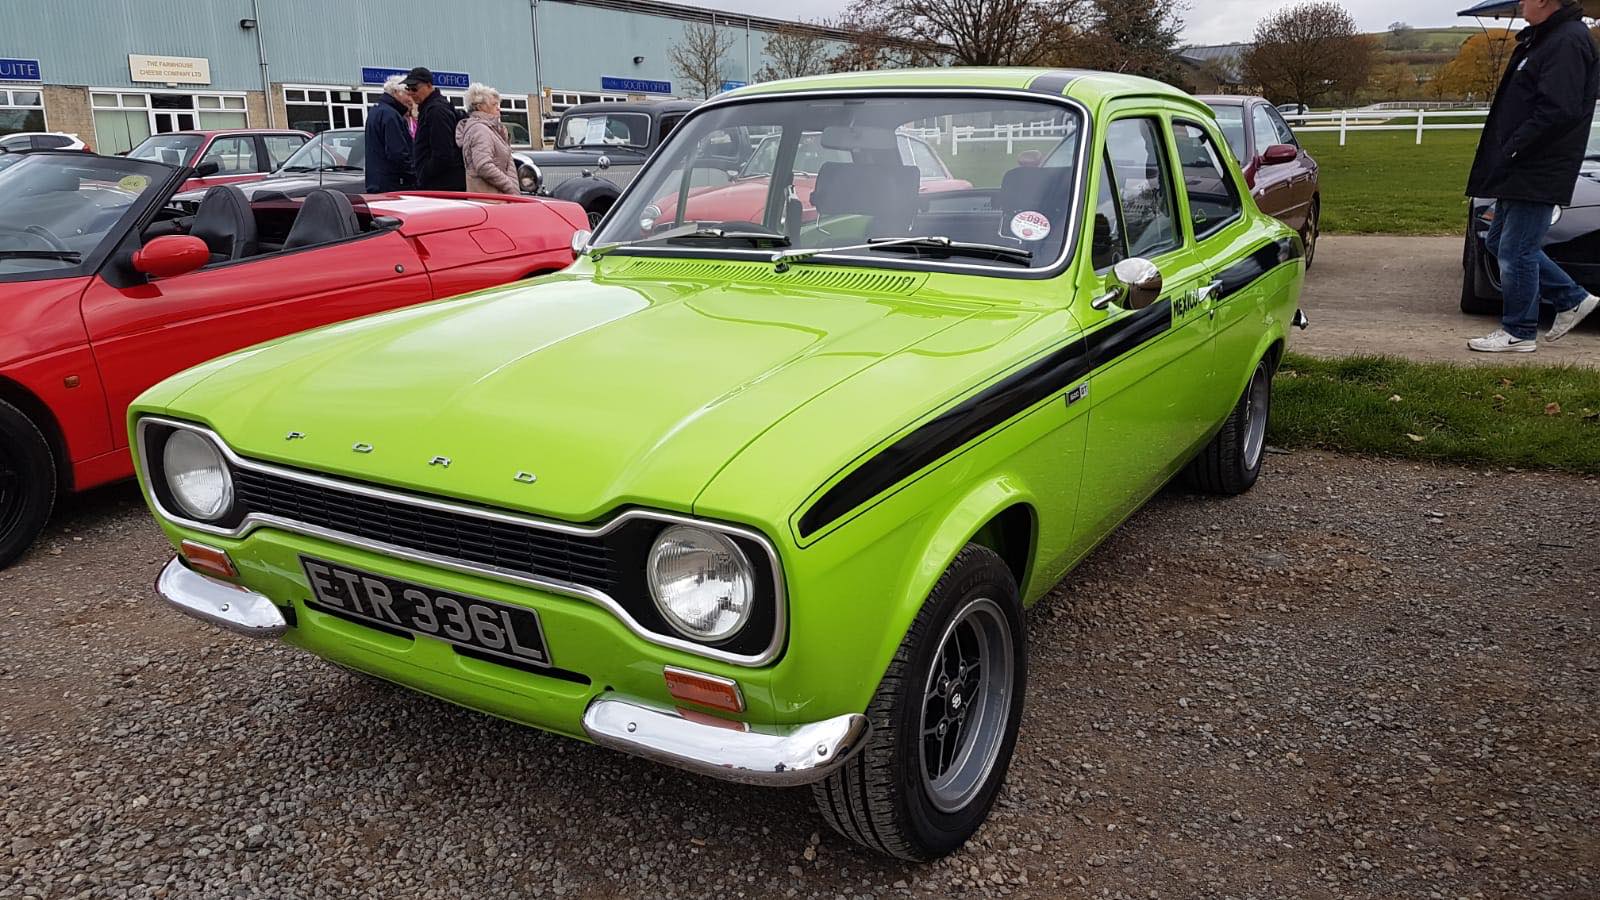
(1573, 241)
(599, 148)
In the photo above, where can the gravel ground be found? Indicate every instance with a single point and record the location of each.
(1364, 679)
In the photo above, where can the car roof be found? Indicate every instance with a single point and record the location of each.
(637, 106)
(213, 132)
(1086, 85)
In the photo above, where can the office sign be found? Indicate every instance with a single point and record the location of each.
(731, 85)
(450, 80)
(169, 69)
(20, 70)
(635, 85)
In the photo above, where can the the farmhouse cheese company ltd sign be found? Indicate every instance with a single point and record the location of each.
(169, 69)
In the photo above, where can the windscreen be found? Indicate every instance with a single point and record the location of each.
(343, 150)
(71, 202)
(822, 172)
(601, 130)
(172, 149)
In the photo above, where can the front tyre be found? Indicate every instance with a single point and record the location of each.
(27, 483)
(1231, 462)
(944, 719)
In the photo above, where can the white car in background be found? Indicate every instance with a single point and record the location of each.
(42, 140)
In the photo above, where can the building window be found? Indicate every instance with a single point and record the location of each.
(317, 109)
(21, 110)
(122, 120)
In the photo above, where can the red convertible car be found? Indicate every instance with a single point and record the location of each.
(108, 287)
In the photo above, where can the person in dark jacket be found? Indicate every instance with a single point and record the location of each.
(1528, 161)
(389, 140)
(434, 155)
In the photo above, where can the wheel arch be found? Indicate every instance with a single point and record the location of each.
(39, 413)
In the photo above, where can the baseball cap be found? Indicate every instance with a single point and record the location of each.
(418, 75)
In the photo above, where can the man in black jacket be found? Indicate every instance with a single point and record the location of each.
(389, 140)
(435, 155)
(1528, 161)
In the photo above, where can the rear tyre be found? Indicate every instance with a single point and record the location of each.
(944, 719)
(1471, 302)
(27, 483)
(1312, 231)
(1231, 462)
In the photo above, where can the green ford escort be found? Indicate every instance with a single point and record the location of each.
(761, 485)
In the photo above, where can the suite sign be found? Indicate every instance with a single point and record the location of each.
(169, 69)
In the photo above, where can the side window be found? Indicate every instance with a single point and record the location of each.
(233, 155)
(1108, 247)
(50, 141)
(1143, 186)
(1213, 200)
(1266, 133)
(1285, 133)
(280, 147)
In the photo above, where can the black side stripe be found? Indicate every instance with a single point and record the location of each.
(1016, 392)
(949, 430)
(1262, 260)
(1054, 83)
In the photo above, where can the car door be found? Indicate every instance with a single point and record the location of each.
(142, 331)
(237, 159)
(1303, 178)
(1274, 184)
(1214, 210)
(1152, 366)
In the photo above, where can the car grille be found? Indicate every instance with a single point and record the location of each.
(522, 549)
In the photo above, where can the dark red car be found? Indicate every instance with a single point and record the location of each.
(108, 287)
(1281, 174)
(222, 157)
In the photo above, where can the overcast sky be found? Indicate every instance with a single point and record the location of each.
(1206, 22)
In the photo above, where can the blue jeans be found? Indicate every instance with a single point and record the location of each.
(1516, 238)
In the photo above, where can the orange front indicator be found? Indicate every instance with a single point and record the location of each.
(705, 690)
(209, 560)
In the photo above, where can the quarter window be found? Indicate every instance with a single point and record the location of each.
(1285, 133)
(1266, 133)
(1213, 199)
(1143, 186)
(1108, 246)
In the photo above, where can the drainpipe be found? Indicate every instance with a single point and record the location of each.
(261, 53)
(749, 76)
(536, 123)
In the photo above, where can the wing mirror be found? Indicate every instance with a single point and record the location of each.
(207, 169)
(1278, 154)
(1133, 284)
(173, 254)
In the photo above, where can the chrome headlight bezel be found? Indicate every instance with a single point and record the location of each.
(187, 481)
(734, 610)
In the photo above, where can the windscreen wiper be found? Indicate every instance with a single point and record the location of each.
(942, 245)
(696, 233)
(64, 255)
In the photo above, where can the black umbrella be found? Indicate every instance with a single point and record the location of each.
(1511, 9)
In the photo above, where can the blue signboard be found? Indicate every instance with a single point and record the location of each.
(20, 70)
(452, 80)
(635, 85)
(730, 85)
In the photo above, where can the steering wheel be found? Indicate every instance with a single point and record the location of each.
(39, 232)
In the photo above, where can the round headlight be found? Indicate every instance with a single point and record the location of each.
(648, 217)
(197, 475)
(701, 581)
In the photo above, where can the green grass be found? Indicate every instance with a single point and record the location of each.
(1464, 414)
(1383, 182)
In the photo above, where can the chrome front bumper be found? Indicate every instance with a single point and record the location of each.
(230, 606)
(783, 757)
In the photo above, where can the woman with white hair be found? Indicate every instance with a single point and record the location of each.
(388, 139)
(485, 145)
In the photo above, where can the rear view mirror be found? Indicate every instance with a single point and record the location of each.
(1278, 154)
(173, 254)
(1134, 284)
(207, 169)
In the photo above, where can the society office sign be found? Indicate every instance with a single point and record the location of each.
(452, 80)
(169, 69)
(20, 70)
(635, 85)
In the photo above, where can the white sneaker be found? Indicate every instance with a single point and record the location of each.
(1566, 321)
(1500, 342)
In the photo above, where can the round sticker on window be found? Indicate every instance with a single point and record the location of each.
(1030, 226)
(134, 183)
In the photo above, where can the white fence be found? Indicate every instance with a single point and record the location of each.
(1345, 121)
(1010, 135)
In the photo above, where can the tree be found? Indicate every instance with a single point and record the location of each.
(1476, 70)
(697, 59)
(795, 50)
(1402, 37)
(1306, 52)
(1394, 81)
(1138, 37)
(971, 32)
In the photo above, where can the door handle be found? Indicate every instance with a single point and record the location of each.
(1202, 294)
